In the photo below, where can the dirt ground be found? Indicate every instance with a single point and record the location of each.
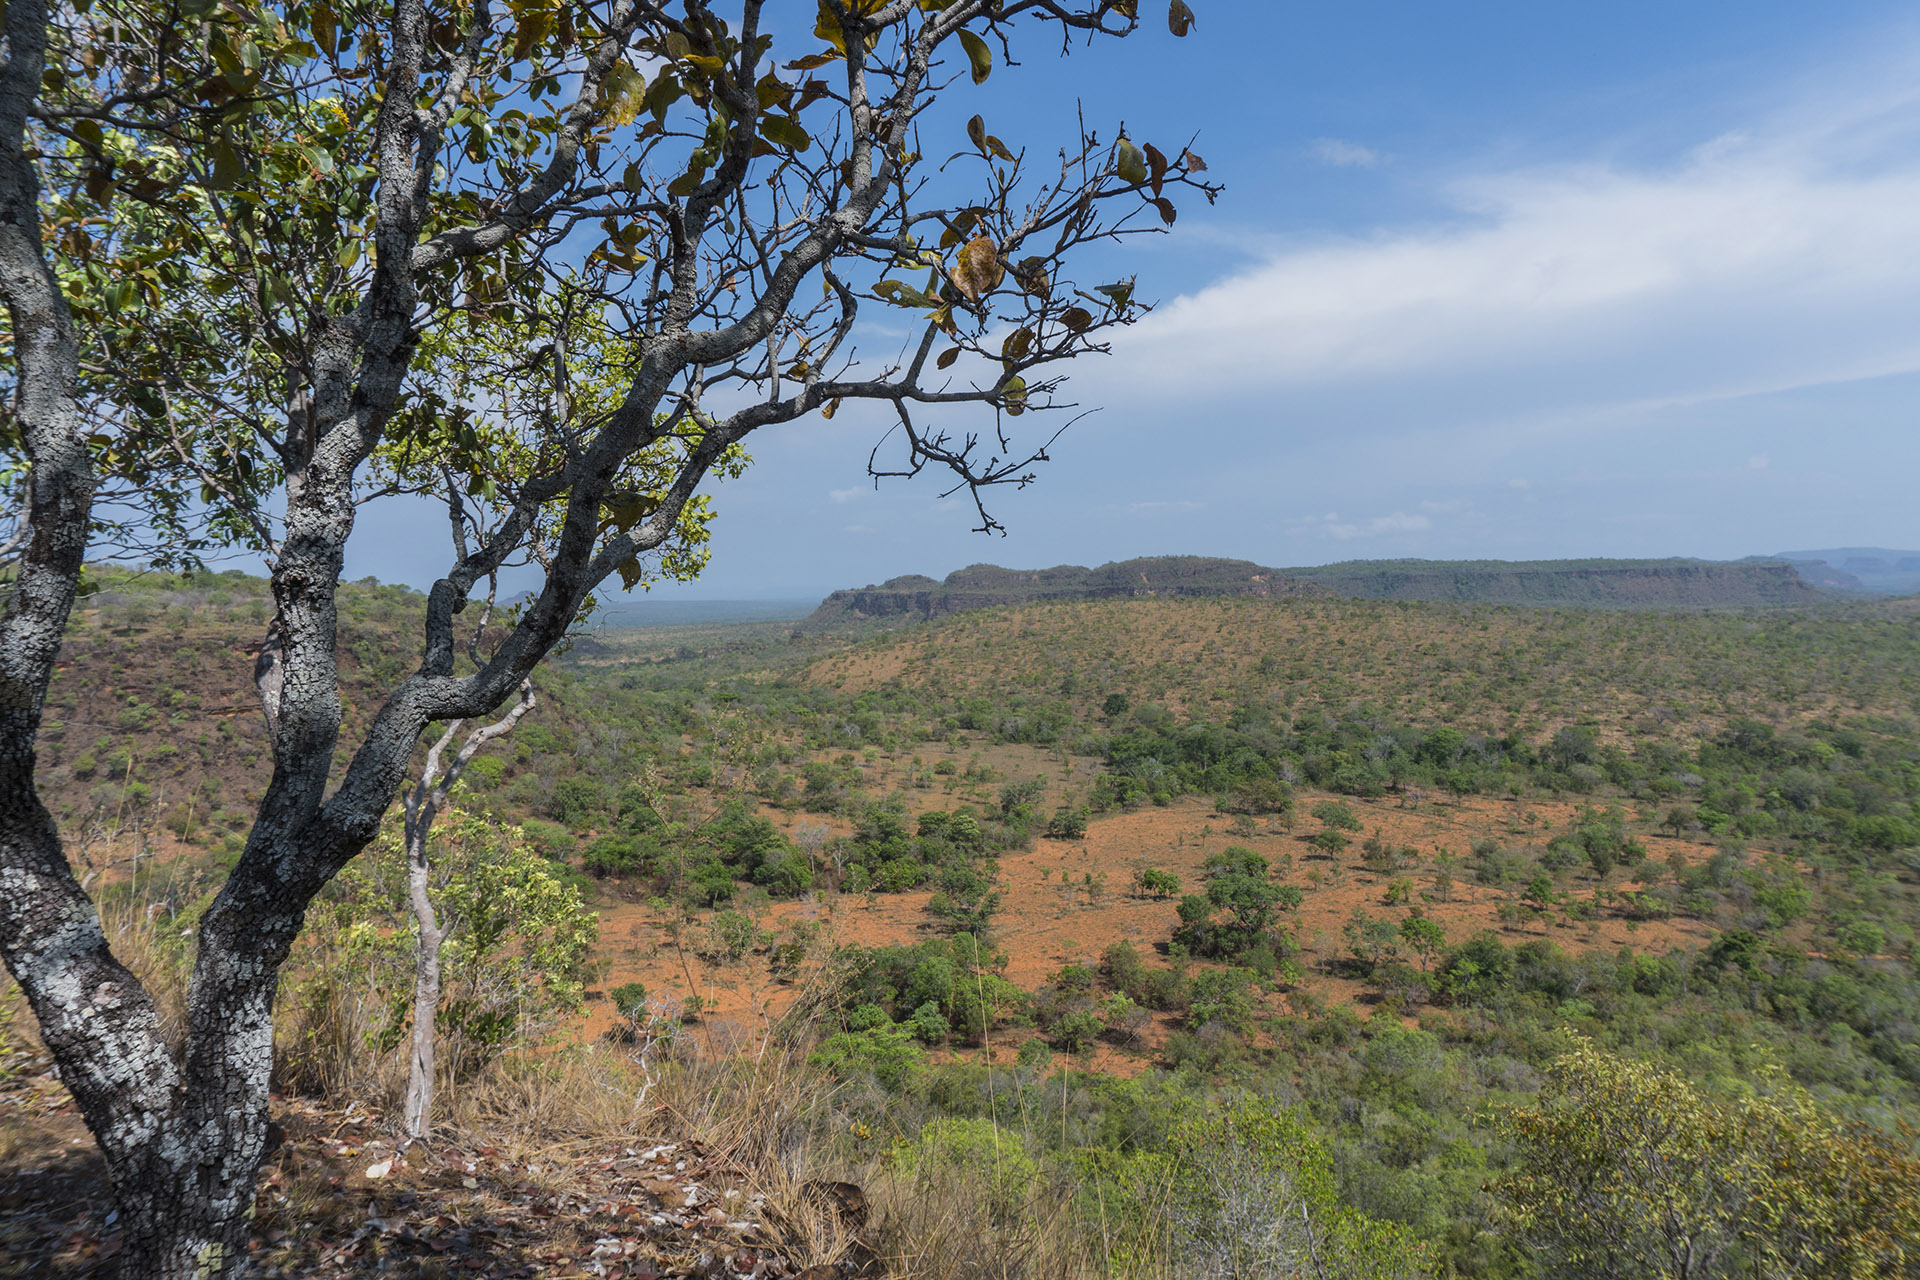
(1052, 916)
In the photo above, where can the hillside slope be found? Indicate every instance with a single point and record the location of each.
(1493, 668)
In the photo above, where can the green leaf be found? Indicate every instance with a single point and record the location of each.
(530, 32)
(772, 91)
(1121, 293)
(1129, 163)
(978, 54)
(785, 132)
(326, 29)
(228, 169)
(902, 295)
(622, 95)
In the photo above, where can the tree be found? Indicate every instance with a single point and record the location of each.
(509, 947)
(1624, 1169)
(1425, 936)
(1337, 815)
(422, 806)
(274, 268)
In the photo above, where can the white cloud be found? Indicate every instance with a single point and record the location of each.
(1783, 256)
(1343, 154)
(848, 495)
(1332, 526)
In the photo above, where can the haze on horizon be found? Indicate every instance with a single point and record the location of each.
(1486, 283)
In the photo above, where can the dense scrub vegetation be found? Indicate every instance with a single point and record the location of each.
(1753, 777)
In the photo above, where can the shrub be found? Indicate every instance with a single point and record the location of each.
(576, 801)
(549, 838)
(1161, 884)
(1076, 1030)
(484, 773)
(899, 875)
(1067, 823)
(610, 856)
(729, 937)
(1253, 1193)
(1628, 1168)
(1337, 815)
(887, 1053)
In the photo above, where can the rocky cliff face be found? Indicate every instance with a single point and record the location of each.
(985, 586)
(1605, 584)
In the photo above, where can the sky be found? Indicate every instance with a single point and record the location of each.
(1489, 280)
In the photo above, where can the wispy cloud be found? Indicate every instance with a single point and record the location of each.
(1164, 508)
(1783, 256)
(848, 495)
(1343, 154)
(1332, 526)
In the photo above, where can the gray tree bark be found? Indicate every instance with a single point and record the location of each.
(423, 805)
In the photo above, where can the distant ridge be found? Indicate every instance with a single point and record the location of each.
(1611, 584)
(1607, 584)
(1865, 570)
(984, 586)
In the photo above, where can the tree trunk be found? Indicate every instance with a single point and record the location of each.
(426, 988)
(187, 1197)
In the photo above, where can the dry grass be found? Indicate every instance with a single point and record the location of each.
(748, 1099)
(943, 1223)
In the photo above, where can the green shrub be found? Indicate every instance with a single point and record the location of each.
(484, 773)
(611, 856)
(1067, 823)
(576, 801)
(549, 838)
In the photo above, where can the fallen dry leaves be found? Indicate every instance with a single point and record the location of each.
(339, 1198)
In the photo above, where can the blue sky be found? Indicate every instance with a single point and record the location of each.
(1489, 280)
